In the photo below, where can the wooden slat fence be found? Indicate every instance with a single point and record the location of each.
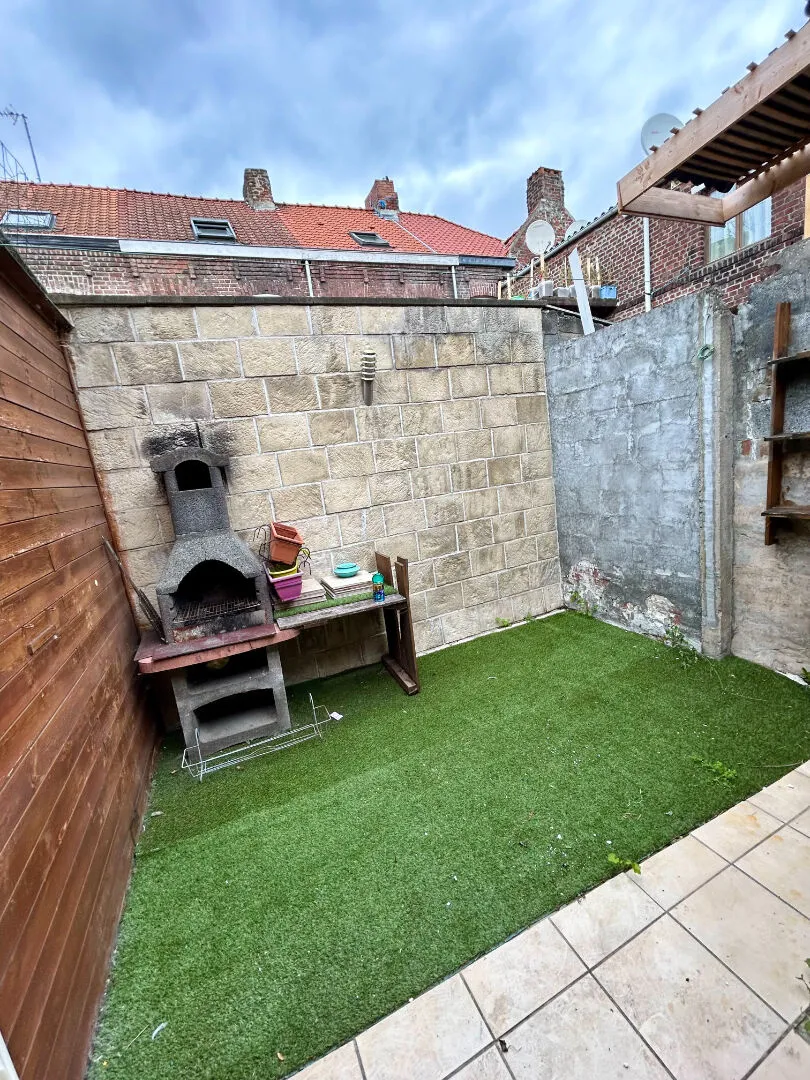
(76, 736)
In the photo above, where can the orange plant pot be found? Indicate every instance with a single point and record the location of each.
(285, 543)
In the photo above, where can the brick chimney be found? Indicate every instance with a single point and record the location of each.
(545, 185)
(256, 190)
(382, 189)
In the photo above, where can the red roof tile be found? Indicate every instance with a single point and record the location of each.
(147, 215)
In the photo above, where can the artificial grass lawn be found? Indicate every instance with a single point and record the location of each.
(286, 906)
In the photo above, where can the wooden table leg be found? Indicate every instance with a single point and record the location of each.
(400, 661)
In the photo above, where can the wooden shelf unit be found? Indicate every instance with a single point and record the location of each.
(782, 364)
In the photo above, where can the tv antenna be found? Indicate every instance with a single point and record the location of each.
(539, 237)
(657, 130)
(14, 117)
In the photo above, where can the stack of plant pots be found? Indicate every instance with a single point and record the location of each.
(283, 561)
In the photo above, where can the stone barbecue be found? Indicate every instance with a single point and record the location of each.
(213, 582)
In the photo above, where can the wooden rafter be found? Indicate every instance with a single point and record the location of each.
(754, 136)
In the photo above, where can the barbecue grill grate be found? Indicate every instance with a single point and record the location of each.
(198, 611)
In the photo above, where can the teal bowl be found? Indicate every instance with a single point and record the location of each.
(346, 569)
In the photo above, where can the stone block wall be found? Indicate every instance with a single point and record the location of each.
(450, 466)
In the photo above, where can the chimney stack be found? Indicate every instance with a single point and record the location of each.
(256, 190)
(382, 189)
(545, 185)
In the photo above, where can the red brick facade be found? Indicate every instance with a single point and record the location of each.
(678, 255)
(106, 273)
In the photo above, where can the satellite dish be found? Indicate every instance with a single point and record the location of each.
(539, 237)
(657, 130)
(574, 227)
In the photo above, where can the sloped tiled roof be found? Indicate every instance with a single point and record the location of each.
(145, 215)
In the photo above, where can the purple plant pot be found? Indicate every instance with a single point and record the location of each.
(288, 588)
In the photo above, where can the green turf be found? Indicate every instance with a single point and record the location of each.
(286, 906)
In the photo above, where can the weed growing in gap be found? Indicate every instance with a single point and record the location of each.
(503, 623)
(580, 603)
(623, 864)
(806, 675)
(684, 653)
(723, 773)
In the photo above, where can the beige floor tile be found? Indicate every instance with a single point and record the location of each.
(735, 832)
(802, 823)
(341, 1064)
(804, 769)
(489, 1066)
(668, 876)
(518, 976)
(581, 1035)
(605, 918)
(427, 1038)
(782, 864)
(789, 1061)
(699, 1018)
(760, 938)
(786, 797)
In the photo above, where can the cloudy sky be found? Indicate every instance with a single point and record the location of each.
(458, 102)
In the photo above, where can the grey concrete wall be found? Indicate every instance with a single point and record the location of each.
(771, 584)
(625, 408)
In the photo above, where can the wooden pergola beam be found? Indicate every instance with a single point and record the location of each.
(662, 202)
(778, 69)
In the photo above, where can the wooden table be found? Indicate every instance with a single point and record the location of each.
(400, 660)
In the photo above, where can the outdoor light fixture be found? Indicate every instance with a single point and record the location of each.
(368, 369)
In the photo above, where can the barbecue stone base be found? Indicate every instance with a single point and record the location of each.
(224, 707)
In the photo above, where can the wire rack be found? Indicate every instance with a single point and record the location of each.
(199, 766)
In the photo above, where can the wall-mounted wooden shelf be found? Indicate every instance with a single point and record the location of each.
(782, 365)
(787, 436)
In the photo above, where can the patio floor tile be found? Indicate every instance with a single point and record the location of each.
(802, 823)
(738, 830)
(782, 864)
(518, 976)
(602, 920)
(702, 1021)
(427, 1038)
(786, 797)
(668, 876)
(789, 1061)
(581, 1035)
(757, 935)
(341, 1064)
(489, 1066)
(804, 769)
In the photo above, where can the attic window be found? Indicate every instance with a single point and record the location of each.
(29, 219)
(368, 239)
(212, 228)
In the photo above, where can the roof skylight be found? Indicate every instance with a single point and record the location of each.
(212, 229)
(368, 239)
(29, 219)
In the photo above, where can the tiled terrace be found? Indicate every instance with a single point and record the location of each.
(690, 970)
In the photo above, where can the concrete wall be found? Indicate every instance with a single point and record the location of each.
(450, 467)
(771, 584)
(624, 407)
(660, 465)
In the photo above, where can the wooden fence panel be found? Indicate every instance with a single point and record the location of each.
(76, 736)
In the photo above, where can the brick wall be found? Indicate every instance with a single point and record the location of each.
(105, 273)
(450, 467)
(678, 256)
